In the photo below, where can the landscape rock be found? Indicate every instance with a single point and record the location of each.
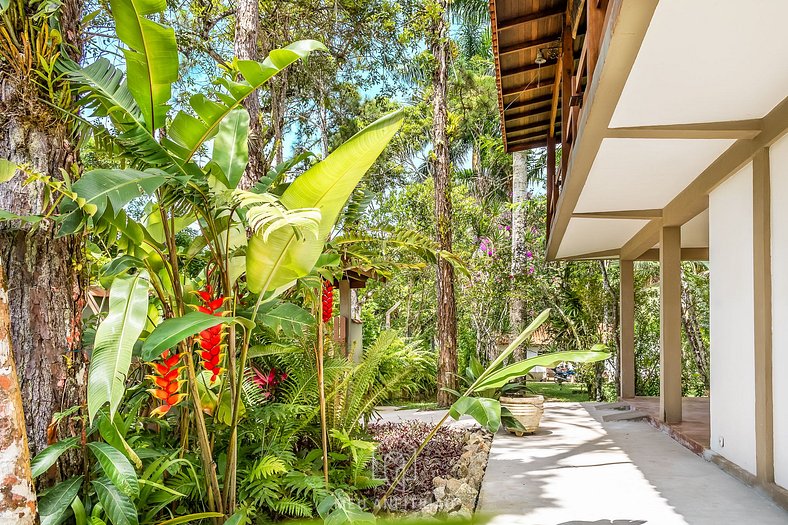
(455, 497)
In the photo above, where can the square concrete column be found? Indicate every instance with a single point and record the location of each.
(670, 324)
(627, 328)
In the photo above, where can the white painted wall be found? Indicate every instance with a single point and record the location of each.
(731, 305)
(779, 187)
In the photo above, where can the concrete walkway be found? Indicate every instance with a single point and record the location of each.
(576, 470)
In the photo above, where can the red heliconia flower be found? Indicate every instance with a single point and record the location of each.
(328, 301)
(210, 340)
(166, 379)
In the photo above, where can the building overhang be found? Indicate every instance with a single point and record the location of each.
(681, 96)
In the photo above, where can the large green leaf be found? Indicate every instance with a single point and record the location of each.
(99, 189)
(291, 319)
(118, 506)
(231, 147)
(189, 518)
(187, 133)
(117, 468)
(174, 330)
(284, 257)
(116, 187)
(504, 375)
(339, 509)
(53, 506)
(47, 457)
(503, 356)
(115, 338)
(486, 412)
(151, 59)
(7, 170)
(106, 94)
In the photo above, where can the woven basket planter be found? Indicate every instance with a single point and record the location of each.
(526, 410)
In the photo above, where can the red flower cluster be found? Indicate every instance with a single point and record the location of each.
(328, 301)
(211, 339)
(166, 377)
(268, 382)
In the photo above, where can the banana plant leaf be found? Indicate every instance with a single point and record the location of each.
(172, 331)
(327, 186)
(486, 411)
(187, 133)
(115, 338)
(231, 148)
(500, 377)
(151, 57)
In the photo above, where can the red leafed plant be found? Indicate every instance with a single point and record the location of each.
(328, 301)
(166, 378)
(210, 340)
(268, 381)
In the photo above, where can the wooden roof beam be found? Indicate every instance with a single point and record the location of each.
(619, 214)
(530, 17)
(529, 136)
(687, 254)
(525, 103)
(516, 146)
(531, 125)
(527, 88)
(738, 129)
(535, 110)
(530, 44)
(506, 73)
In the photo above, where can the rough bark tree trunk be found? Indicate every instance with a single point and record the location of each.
(247, 22)
(519, 260)
(18, 498)
(44, 273)
(447, 310)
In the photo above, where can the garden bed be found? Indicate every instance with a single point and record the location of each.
(446, 478)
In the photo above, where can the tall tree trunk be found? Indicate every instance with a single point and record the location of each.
(17, 499)
(278, 86)
(519, 260)
(247, 22)
(44, 272)
(447, 310)
(692, 329)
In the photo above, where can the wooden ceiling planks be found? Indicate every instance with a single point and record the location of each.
(521, 29)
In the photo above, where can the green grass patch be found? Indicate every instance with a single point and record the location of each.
(563, 392)
(417, 405)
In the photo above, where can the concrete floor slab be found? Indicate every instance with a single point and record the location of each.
(578, 470)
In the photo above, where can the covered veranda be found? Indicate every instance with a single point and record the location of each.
(669, 153)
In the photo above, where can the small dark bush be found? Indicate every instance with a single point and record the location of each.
(397, 442)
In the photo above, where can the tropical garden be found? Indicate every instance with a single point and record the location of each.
(186, 190)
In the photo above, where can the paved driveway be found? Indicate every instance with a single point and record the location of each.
(576, 470)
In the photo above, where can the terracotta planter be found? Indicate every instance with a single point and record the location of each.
(526, 410)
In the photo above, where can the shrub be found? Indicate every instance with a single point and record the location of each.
(397, 442)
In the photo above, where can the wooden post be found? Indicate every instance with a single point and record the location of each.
(595, 18)
(670, 324)
(567, 66)
(18, 498)
(762, 292)
(344, 311)
(627, 330)
(550, 178)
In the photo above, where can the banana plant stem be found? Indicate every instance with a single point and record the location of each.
(322, 392)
